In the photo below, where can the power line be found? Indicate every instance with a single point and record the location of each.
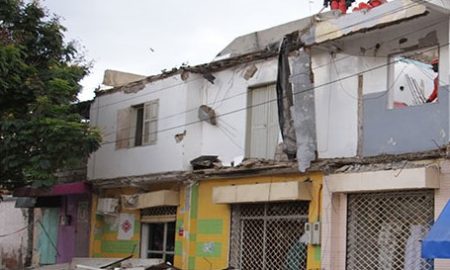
(272, 100)
(434, 23)
(323, 34)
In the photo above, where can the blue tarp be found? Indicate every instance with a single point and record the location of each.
(437, 243)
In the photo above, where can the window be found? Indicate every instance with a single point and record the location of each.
(414, 77)
(267, 235)
(263, 127)
(137, 125)
(160, 240)
(158, 233)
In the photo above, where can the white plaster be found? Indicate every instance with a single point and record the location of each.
(334, 229)
(336, 104)
(178, 109)
(336, 66)
(150, 199)
(335, 82)
(14, 232)
(268, 192)
(402, 179)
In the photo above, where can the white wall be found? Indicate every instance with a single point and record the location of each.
(165, 155)
(178, 111)
(228, 97)
(336, 104)
(336, 66)
(13, 235)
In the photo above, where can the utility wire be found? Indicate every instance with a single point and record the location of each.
(323, 34)
(12, 233)
(245, 92)
(332, 61)
(273, 100)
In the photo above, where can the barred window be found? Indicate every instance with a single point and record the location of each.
(384, 230)
(267, 235)
(159, 211)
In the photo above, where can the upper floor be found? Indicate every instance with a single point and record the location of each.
(374, 83)
(359, 88)
(163, 123)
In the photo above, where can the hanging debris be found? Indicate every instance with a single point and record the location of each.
(206, 113)
(285, 98)
(209, 77)
(250, 72)
(204, 162)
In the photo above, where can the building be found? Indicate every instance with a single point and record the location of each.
(192, 170)
(14, 235)
(385, 143)
(58, 222)
(311, 145)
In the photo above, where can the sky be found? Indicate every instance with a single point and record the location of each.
(147, 36)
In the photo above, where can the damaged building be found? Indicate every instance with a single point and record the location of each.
(310, 145)
(193, 168)
(318, 144)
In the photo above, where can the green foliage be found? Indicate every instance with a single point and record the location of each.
(39, 80)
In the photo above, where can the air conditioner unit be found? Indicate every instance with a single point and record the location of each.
(107, 206)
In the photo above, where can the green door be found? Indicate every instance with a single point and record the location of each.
(48, 231)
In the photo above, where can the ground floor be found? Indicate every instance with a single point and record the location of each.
(252, 222)
(363, 218)
(377, 219)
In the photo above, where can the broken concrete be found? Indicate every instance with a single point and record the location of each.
(249, 72)
(285, 99)
(303, 111)
(391, 12)
(207, 114)
(118, 78)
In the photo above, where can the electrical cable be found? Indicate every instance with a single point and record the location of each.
(12, 233)
(332, 61)
(324, 34)
(245, 92)
(273, 100)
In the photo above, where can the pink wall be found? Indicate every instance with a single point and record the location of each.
(73, 235)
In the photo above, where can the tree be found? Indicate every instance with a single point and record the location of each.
(39, 81)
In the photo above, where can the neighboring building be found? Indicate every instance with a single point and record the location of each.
(59, 222)
(15, 248)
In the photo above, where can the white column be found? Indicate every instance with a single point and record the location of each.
(334, 223)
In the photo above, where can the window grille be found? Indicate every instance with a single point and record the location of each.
(267, 236)
(159, 211)
(384, 230)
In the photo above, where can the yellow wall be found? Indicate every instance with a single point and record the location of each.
(104, 230)
(203, 227)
